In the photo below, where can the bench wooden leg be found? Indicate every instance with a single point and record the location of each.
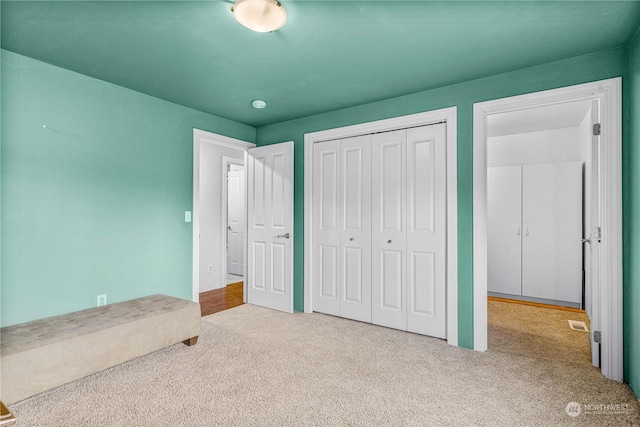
(6, 417)
(191, 341)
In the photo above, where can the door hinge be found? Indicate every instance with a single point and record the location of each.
(597, 336)
(596, 129)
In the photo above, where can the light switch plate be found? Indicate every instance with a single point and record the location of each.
(187, 216)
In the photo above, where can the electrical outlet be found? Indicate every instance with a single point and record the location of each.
(210, 268)
(102, 300)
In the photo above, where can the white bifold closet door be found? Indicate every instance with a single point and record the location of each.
(409, 230)
(380, 229)
(427, 230)
(389, 221)
(342, 241)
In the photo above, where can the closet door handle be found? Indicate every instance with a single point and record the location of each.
(518, 232)
(526, 231)
(389, 241)
(351, 239)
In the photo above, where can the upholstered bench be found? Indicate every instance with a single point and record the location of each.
(46, 353)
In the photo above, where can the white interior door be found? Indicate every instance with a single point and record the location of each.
(342, 228)
(380, 229)
(326, 227)
(270, 226)
(552, 224)
(355, 233)
(388, 217)
(426, 230)
(235, 222)
(504, 237)
(592, 248)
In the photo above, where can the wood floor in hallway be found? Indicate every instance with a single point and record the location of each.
(221, 299)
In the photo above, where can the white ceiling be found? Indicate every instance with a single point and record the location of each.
(537, 119)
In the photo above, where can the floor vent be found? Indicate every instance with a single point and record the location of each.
(578, 326)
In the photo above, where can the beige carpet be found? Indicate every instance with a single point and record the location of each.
(254, 366)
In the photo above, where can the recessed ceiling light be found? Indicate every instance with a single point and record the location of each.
(258, 104)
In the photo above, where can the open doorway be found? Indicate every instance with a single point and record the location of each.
(268, 210)
(539, 165)
(219, 228)
(604, 240)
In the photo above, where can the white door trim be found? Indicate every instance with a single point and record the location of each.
(200, 136)
(447, 115)
(226, 161)
(609, 94)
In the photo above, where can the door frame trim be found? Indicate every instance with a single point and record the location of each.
(446, 115)
(200, 136)
(609, 94)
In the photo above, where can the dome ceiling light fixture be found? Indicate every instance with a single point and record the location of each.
(262, 16)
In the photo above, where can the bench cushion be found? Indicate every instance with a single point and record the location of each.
(46, 353)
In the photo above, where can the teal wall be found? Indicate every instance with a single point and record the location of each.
(631, 224)
(597, 66)
(94, 202)
(0, 176)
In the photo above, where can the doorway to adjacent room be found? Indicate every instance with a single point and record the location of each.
(539, 188)
(601, 295)
(219, 227)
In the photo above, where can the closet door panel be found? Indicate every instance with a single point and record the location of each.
(426, 230)
(504, 238)
(356, 228)
(326, 226)
(391, 275)
(353, 279)
(552, 223)
(328, 276)
(388, 195)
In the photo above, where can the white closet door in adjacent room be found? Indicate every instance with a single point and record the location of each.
(355, 217)
(504, 251)
(235, 222)
(388, 198)
(552, 223)
(327, 262)
(426, 230)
